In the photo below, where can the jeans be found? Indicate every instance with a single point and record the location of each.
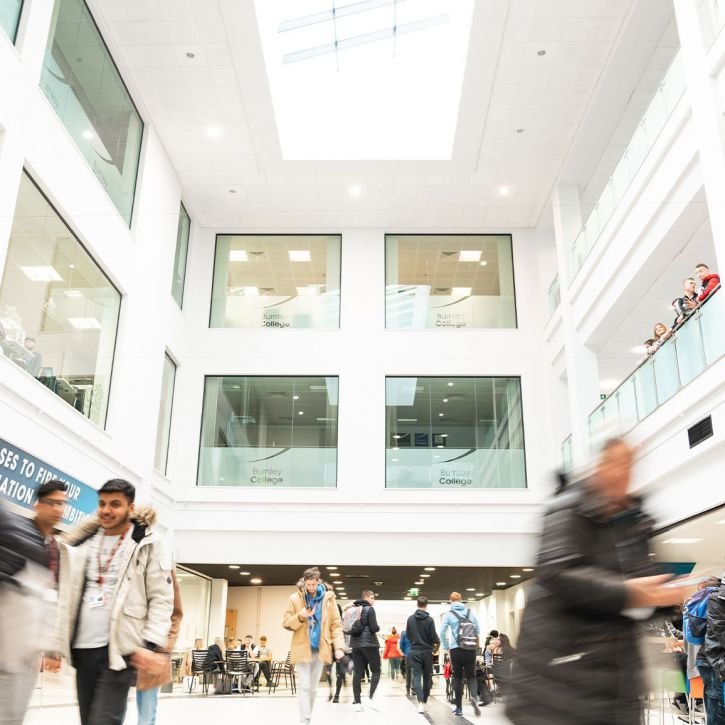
(463, 663)
(394, 667)
(17, 689)
(361, 657)
(308, 677)
(102, 692)
(408, 674)
(421, 664)
(146, 702)
(714, 706)
(265, 670)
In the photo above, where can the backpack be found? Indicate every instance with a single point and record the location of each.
(352, 623)
(467, 637)
(694, 616)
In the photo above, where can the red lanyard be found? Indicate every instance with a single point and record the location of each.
(104, 569)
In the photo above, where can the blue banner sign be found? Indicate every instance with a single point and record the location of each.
(21, 474)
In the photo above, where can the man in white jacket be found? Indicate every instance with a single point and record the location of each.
(116, 601)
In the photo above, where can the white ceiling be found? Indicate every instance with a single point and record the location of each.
(507, 86)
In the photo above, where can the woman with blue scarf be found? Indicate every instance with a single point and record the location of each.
(314, 620)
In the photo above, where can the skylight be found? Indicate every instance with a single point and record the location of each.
(375, 80)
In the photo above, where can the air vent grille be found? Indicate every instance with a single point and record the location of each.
(700, 431)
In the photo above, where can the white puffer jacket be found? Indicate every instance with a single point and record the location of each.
(142, 602)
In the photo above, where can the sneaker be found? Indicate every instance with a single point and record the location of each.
(476, 708)
(336, 699)
(421, 708)
(357, 706)
(457, 711)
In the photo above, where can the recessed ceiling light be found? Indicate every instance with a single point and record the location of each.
(332, 568)
(418, 582)
(299, 255)
(300, 412)
(483, 262)
(295, 397)
(424, 576)
(471, 589)
(440, 415)
(432, 568)
(444, 435)
(500, 584)
(471, 599)
(469, 256)
(479, 594)
(504, 190)
(71, 266)
(191, 55)
(519, 130)
(445, 400)
(255, 581)
(440, 446)
(516, 576)
(355, 190)
(527, 570)
(41, 273)
(244, 573)
(461, 291)
(238, 255)
(407, 599)
(234, 566)
(395, 448)
(450, 385)
(334, 573)
(541, 52)
(681, 541)
(213, 132)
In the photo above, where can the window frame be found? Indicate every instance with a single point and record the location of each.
(174, 363)
(180, 302)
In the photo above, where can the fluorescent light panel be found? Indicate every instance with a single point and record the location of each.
(469, 256)
(238, 255)
(41, 273)
(299, 255)
(85, 323)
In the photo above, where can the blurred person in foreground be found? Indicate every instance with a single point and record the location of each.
(29, 568)
(578, 658)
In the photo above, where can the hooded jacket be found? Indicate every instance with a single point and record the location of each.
(450, 621)
(370, 624)
(578, 658)
(142, 601)
(709, 284)
(421, 632)
(713, 650)
(331, 637)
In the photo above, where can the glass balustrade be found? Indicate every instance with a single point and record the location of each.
(566, 454)
(554, 296)
(654, 120)
(693, 347)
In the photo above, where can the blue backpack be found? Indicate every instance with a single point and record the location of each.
(694, 616)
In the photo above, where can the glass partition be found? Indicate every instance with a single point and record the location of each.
(449, 281)
(554, 296)
(196, 598)
(269, 432)
(58, 310)
(163, 428)
(10, 11)
(452, 433)
(182, 250)
(658, 112)
(276, 281)
(694, 346)
(86, 90)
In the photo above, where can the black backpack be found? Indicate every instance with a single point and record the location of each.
(467, 637)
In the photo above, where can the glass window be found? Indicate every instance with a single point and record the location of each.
(87, 92)
(182, 248)
(58, 310)
(267, 432)
(163, 428)
(10, 17)
(449, 281)
(276, 282)
(196, 596)
(454, 433)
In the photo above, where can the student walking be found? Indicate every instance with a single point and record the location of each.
(392, 653)
(365, 650)
(116, 604)
(464, 629)
(314, 620)
(420, 632)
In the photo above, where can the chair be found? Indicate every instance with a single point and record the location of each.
(696, 692)
(200, 669)
(283, 669)
(240, 668)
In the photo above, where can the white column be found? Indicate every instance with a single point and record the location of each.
(218, 608)
(707, 110)
(582, 368)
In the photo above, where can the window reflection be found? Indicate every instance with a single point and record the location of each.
(10, 11)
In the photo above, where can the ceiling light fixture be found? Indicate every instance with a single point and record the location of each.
(479, 594)
(213, 132)
(355, 191)
(432, 568)
(500, 584)
(42, 273)
(418, 583)
(255, 581)
(469, 256)
(425, 576)
(445, 400)
(295, 397)
(527, 569)
(681, 541)
(85, 323)
(461, 291)
(483, 262)
(332, 568)
(234, 566)
(244, 573)
(238, 255)
(516, 576)
(299, 255)
(440, 415)
(504, 190)
(471, 589)
(450, 385)
(300, 412)
(334, 573)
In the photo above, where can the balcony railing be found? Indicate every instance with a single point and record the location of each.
(554, 295)
(695, 345)
(654, 120)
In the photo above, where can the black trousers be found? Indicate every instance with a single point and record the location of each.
(264, 669)
(408, 674)
(421, 666)
(362, 657)
(463, 664)
(102, 692)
